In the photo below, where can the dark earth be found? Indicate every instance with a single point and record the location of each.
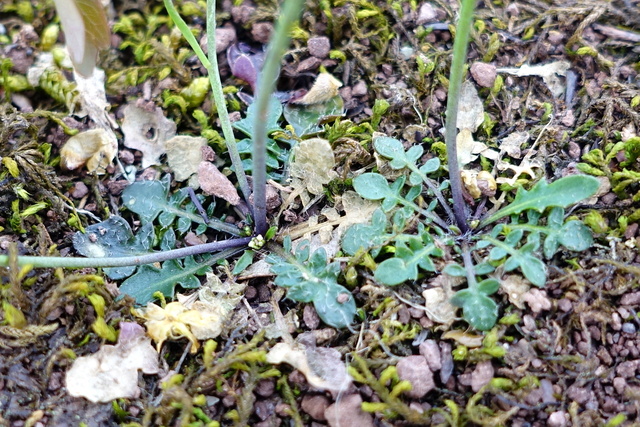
(571, 357)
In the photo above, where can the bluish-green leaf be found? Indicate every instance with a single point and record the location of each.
(305, 119)
(365, 236)
(336, 307)
(150, 279)
(371, 186)
(488, 286)
(243, 262)
(455, 270)
(310, 279)
(563, 192)
(392, 149)
(146, 198)
(274, 111)
(575, 236)
(114, 238)
(391, 272)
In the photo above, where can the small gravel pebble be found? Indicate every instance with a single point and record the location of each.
(359, 89)
(632, 298)
(628, 328)
(348, 412)
(430, 350)
(261, 32)
(483, 74)
(481, 375)
(266, 387)
(426, 14)
(315, 406)
(310, 317)
(564, 304)
(557, 419)
(620, 385)
(308, 64)
(79, 190)
(416, 370)
(319, 47)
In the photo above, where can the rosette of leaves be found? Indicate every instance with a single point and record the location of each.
(309, 277)
(520, 244)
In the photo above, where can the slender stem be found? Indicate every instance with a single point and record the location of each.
(267, 82)
(435, 189)
(460, 44)
(186, 32)
(469, 268)
(211, 64)
(431, 215)
(218, 97)
(71, 262)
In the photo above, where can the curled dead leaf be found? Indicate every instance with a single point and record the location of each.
(184, 154)
(324, 88)
(96, 148)
(147, 130)
(322, 367)
(112, 372)
(479, 184)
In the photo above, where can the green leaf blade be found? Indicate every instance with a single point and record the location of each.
(562, 193)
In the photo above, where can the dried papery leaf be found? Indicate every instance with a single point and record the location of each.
(176, 321)
(312, 165)
(479, 184)
(356, 210)
(551, 74)
(526, 166)
(112, 372)
(322, 367)
(437, 304)
(470, 110)
(93, 99)
(147, 130)
(515, 287)
(96, 148)
(512, 143)
(215, 183)
(465, 338)
(470, 183)
(486, 183)
(324, 88)
(184, 154)
(86, 31)
(468, 148)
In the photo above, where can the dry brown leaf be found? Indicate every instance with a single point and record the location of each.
(479, 184)
(312, 167)
(184, 154)
(551, 74)
(324, 88)
(96, 148)
(215, 183)
(515, 287)
(465, 338)
(147, 131)
(470, 109)
(526, 166)
(322, 366)
(512, 143)
(112, 372)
